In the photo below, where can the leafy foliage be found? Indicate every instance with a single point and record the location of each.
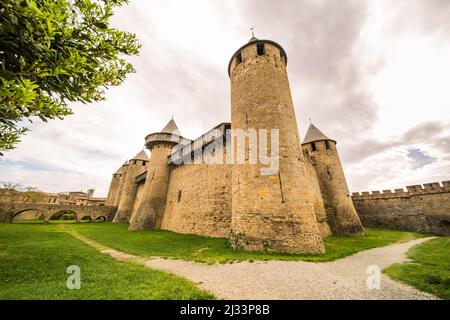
(16, 186)
(53, 52)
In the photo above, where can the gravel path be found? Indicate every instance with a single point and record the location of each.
(341, 279)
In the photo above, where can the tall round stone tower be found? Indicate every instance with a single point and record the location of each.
(150, 212)
(114, 185)
(269, 212)
(341, 214)
(124, 170)
(136, 166)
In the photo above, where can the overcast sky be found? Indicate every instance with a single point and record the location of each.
(373, 75)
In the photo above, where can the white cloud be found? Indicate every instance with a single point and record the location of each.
(365, 71)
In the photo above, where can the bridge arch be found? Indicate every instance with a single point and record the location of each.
(83, 216)
(101, 219)
(53, 213)
(20, 211)
(10, 210)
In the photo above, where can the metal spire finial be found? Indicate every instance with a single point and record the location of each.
(253, 31)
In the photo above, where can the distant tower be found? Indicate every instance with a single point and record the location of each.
(136, 165)
(90, 193)
(150, 212)
(341, 214)
(114, 185)
(269, 212)
(124, 170)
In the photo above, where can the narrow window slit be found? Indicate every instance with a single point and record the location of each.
(260, 49)
(238, 58)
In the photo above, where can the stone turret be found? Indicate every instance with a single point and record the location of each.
(341, 214)
(269, 212)
(136, 166)
(124, 170)
(150, 211)
(114, 185)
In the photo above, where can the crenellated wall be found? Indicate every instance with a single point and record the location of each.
(418, 208)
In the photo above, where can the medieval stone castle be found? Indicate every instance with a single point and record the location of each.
(291, 210)
(278, 195)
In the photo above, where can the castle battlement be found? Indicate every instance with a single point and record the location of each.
(414, 190)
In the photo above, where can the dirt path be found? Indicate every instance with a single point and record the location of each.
(341, 279)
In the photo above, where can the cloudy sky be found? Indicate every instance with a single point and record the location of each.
(374, 75)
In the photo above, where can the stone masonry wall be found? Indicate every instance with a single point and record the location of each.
(341, 214)
(319, 206)
(138, 200)
(129, 190)
(269, 212)
(424, 209)
(199, 200)
(114, 185)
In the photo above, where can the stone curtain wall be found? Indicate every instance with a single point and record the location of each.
(199, 200)
(421, 208)
(138, 200)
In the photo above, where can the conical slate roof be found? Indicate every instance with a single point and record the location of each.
(140, 156)
(171, 127)
(314, 134)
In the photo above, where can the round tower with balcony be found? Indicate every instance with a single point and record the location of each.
(272, 212)
(341, 214)
(150, 212)
(136, 166)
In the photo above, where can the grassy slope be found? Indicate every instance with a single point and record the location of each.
(34, 258)
(210, 250)
(430, 270)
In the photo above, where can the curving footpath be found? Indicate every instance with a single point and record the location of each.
(345, 278)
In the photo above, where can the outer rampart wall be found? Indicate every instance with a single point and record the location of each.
(421, 208)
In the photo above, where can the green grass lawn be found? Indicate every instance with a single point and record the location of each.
(34, 259)
(41, 222)
(211, 250)
(430, 270)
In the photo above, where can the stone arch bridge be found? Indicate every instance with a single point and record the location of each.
(10, 210)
